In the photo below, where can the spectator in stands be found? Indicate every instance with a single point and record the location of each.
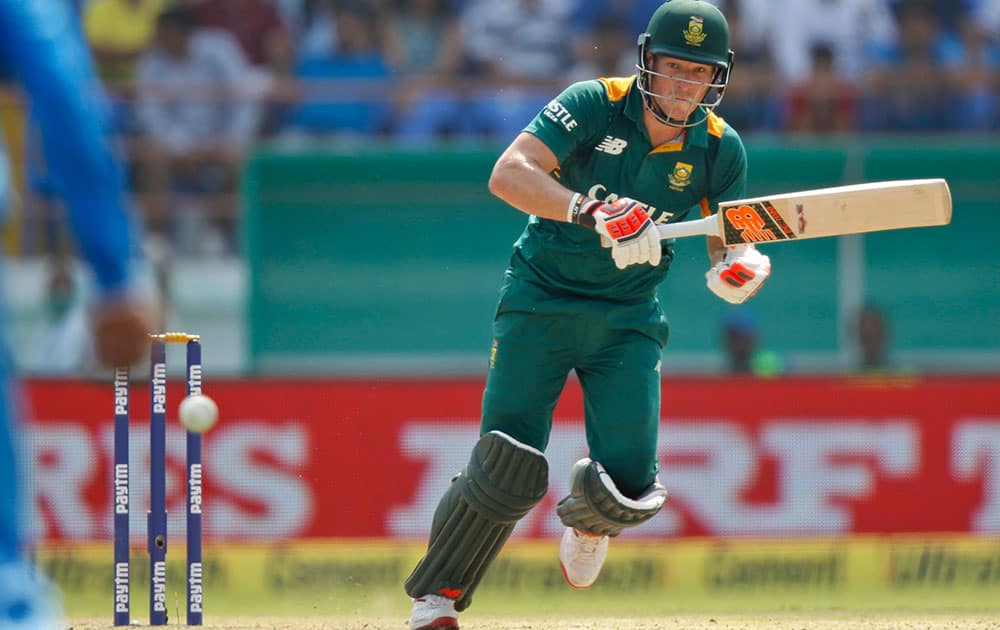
(266, 44)
(986, 13)
(855, 30)
(516, 49)
(422, 38)
(604, 51)
(315, 24)
(291, 14)
(910, 89)
(316, 33)
(757, 23)
(739, 336)
(63, 344)
(196, 124)
(976, 74)
(425, 50)
(752, 100)
(948, 14)
(741, 341)
(585, 15)
(118, 31)
(823, 103)
(631, 15)
(872, 338)
(256, 25)
(358, 57)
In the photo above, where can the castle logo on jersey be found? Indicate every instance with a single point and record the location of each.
(695, 32)
(681, 176)
(557, 112)
(612, 146)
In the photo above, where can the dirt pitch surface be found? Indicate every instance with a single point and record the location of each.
(762, 621)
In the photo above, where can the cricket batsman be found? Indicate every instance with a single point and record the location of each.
(597, 169)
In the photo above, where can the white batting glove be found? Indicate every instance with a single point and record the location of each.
(624, 225)
(739, 274)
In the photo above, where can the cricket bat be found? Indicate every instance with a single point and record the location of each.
(822, 212)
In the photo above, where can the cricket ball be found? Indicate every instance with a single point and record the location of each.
(198, 413)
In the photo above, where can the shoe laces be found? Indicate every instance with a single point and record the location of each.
(588, 544)
(435, 600)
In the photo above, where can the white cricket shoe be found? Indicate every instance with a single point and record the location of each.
(581, 556)
(433, 612)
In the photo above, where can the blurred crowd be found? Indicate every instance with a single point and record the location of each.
(209, 76)
(747, 353)
(194, 83)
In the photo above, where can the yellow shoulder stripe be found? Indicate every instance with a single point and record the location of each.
(716, 124)
(617, 87)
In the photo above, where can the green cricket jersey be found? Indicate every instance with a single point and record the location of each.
(596, 131)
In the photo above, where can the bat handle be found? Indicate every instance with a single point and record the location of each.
(709, 226)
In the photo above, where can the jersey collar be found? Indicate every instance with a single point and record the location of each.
(696, 136)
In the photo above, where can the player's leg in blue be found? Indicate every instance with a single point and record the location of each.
(616, 487)
(26, 600)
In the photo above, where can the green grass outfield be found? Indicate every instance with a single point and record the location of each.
(879, 582)
(365, 604)
(811, 620)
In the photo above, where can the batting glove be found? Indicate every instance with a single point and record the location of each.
(624, 225)
(739, 274)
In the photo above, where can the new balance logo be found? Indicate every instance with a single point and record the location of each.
(611, 146)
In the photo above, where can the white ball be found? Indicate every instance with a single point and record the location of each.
(198, 413)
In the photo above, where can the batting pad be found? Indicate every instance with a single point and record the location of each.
(594, 505)
(503, 480)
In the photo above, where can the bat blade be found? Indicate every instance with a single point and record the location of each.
(823, 212)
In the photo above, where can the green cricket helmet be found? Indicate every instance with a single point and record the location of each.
(691, 30)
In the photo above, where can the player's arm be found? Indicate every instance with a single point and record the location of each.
(523, 178)
(41, 41)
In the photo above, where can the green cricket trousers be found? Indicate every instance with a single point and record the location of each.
(615, 349)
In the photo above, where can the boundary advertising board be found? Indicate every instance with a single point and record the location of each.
(369, 458)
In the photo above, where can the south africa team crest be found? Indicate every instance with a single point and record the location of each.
(695, 34)
(681, 176)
